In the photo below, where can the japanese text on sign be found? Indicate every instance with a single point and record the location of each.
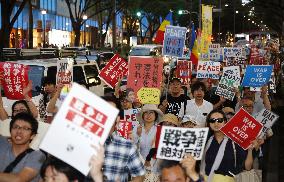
(64, 71)
(149, 95)
(123, 129)
(175, 142)
(184, 71)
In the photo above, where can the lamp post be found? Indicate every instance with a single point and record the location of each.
(43, 12)
(139, 14)
(85, 17)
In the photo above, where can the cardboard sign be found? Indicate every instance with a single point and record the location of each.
(123, 128)
(115, 68)
(215, 52)
(257, 76)
(229, 81)
(184, 71)
(267, 119)
(208, 69)
(174, 41)
(149, 95)
(175, 142)
(15, 78)
(81, 122)
(145, 72)
(242, 128)
(64, 73)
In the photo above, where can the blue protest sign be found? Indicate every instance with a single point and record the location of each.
(174, 41)
(257, 75)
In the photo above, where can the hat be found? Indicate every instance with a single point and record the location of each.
(188, 118)
(150, 107)
(171, 118)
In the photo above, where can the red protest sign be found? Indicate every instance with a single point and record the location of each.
(15, 78)
(64, 73)
(116, 67)
(184, 71)
(145, 72)
(242, 128)
(123, 128)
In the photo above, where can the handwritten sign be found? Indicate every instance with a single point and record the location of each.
(123, 129)
(149, 95)
(115, 68)
(242, 128)
(84, 123)
(64, 73)
(184, 71)
(257, 76)
(267, 118)
(232, 51)
(174, 41)
(175, 142)
(208, 69)
(131, 115)
(15, 78)
(215, 52)
(145, 72)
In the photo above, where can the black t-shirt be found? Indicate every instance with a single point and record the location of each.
(174, 103)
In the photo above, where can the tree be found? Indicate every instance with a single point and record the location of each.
(31, 20)
(7, 7)
(79, 9)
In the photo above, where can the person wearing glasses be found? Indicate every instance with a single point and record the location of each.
(222, 157)
(23, 128)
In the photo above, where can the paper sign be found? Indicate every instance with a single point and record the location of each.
(208, 69)
(149, 95)
(257, 76)
(184, 71)
(174, 41)
(271, 85)
(175, 142)
(214, 52)
(64, 73)
(232, 51)
(81, 122)
(115, 68)
(242, 128)
(15, 78)
(267, 118)
(235, 61)
(145, 72)
(131, 115)
(123, 129)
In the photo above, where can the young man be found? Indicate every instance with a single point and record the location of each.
(23, 128)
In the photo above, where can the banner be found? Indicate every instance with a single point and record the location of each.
(184, 71)
(115, 68)
(208, 69)
(15, 78)
(206, 28)
(64, 73)
(267, 119)
(149, 95)
(242, 128)
(145, 72)
(174, 41)
(175, 142)
(257, 76)
(123, 129)
(81, 123)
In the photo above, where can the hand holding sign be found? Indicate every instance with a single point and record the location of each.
(149, 95)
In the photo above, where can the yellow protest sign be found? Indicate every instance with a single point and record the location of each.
(149, 95)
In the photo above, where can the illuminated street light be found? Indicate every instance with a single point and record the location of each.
(226, 5)
(85, 17)
(138, 14)
(237, 12)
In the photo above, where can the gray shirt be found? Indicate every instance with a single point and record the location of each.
(32, 160)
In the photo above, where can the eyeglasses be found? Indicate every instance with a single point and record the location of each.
(213, 120)
(20, 111)
(24, 128)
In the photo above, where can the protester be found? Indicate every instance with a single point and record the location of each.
(54, 103)
(188, 122)
(197, 108)
(23, 128)
(229, 112)
(96, 164)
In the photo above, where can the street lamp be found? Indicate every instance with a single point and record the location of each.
(85, 17)
(43, 12)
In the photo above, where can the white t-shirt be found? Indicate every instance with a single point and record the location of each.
(199, 113)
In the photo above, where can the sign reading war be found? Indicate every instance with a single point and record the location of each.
(242, 128)
(257, 76)
(208, 69)
(175, 142)
(267, 118)
(174, 41)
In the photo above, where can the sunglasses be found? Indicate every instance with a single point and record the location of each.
(213, 120)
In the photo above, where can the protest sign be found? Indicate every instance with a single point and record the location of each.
(149, 95)
(131, 115)
(81, 123)
(232, 51)
(64, 73)
(174, 41)
(235, 61)
(175, 142)
(271, 85)
(267, 119)
(242, 128)
(112, 71)
(208, 69)
(145, 72)
(123, 128)
(229, 81)
(184, 71)
(257, 76)
(215, 52)
(15, 78)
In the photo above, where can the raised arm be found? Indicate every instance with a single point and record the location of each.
(30, 103)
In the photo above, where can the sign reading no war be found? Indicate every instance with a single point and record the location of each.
(257, 76)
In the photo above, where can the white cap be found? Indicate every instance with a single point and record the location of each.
(187, 118)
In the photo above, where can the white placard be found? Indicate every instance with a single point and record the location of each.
(208, 69)
(84, 119)
(175, 142)
(267, 118)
